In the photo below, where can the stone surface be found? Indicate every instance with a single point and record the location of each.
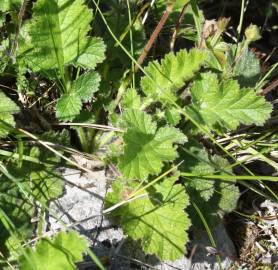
(81, 208)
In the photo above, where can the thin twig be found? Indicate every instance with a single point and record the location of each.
(269, 88)
(20, 18)
(53, 150)
(95, 126)
(177, 28)
(154, 36)
(6, 261)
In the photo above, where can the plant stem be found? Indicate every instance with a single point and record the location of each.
(18, 156)
(131, 43)
(212, 241)
(233, 177)
(239, 28)
(154, 36)
(197, 19)
(261, 82)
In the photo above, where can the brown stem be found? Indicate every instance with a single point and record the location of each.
(177, 28)
(154, 36)
(269, 88)
(20, 19)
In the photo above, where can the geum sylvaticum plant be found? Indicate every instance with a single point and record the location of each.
(152, 147)
(184, 99)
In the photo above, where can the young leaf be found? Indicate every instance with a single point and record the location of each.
(146, 147)
(247, 69)
(165, 79)
(59, 253)
(68, 106)
(7, 109)
(58, 32)
(225, 104)
(157, 218)
(86, 85)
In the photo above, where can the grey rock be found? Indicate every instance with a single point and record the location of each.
(202, 259)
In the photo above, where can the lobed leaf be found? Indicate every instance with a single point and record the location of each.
(58, 35)
(165, 78)
(131, 100)
(59, 253)
(86, 85)
(92, 54)
(146, 147)
(196, 160)
(68, 106)
(225, 104)
(157, 218)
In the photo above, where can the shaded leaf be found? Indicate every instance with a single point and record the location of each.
(196, 160)
(247, 69)
(7, 109)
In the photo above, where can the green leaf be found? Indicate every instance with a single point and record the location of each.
(165, 79)
(196, 160)
(59, 253)
(224, 196)
(229, 197)
(18, 209)
(172, 116)
(225, 104)
(46, 185)
(58, 137)
(58, 32)
(146, 147)
(68, 106)
(7, 109)
(92, 54)
(247, 69)
(86, 85)
(131, 100)
(227, 192)
(40, 182)
(157, 218)
(10, 5)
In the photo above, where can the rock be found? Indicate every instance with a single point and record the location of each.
(203, 260)
(82, 205)
(81, 208)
